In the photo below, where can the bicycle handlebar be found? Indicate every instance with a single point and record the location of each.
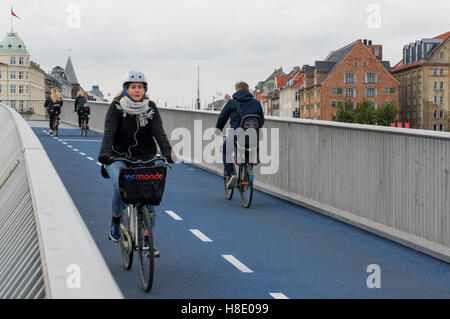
(141, 162)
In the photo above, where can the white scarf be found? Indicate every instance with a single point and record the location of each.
(141, 109)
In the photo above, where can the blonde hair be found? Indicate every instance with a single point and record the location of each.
(55, 95)
(80, 93)
(241, 86)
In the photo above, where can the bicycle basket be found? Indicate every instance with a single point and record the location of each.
(143, 185)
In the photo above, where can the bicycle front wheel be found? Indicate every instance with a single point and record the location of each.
(146, 249)
(246, 184)
(126, 241)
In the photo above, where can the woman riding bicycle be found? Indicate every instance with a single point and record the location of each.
(53, 103)
(132, 125)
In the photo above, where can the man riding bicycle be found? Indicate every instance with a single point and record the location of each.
(132, 125)
(241, 105)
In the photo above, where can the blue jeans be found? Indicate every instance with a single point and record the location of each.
(117, 203)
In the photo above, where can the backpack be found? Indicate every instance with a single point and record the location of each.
(85, 109)
(56, 108)
(249, 120)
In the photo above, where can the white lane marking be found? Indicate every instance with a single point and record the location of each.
(200, 235)
(173, 215)
(64, 143)
(278, 295)
(76, 150)
(81, 153)
(44, 131)
(69, 140)
(69, 146)
(90, 158)
(236, 263)
(191, 169)
(99, 164)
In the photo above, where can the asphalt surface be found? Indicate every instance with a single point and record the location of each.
(278, 249)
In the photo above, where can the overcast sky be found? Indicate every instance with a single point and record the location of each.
(230, 40)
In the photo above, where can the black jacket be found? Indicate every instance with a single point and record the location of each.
(248, 106)
(119, 140)
(49, 104)
(80, 101)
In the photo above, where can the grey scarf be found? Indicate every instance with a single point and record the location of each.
(142, 110)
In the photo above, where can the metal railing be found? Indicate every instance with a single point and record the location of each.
(393, 182)
(46, 250)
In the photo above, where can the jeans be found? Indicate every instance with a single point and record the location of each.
(117, 203)
(228, 160)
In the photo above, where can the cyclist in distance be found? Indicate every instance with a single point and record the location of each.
(248, 105)
(53, 103)
(132, 125)
(80, 101)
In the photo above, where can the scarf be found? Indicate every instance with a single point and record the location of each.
(141, 110)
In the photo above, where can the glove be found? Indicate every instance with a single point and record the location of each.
(171, 158)
(105, 159)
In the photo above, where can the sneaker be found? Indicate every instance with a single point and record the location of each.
(51, 132)
(114, 232)
(232, 182)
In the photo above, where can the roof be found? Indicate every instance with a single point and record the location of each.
(443, 36)
(298, 80)
(324, 66)
(281, 80)
(70, 72)
(12, 43)
(387, 65)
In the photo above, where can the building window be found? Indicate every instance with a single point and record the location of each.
(20, 75)
(441, 114)
(350, 92)
(26, 75)
(435, 86)
(349, 78)
(339, 90)
(13, 60)
(27, 88)
(371, 92)
(333, 90)
(441, 55)
(435, 127)
(441, 86)
(21, 89)
(21, 60)
(373, 105)
(371, 78)
(13, 75)
(386, 90)
(13, 89)
(356, 63)
(0, 88)
(13, 104)
(21, 104)
(365, 64)
(392, 90)
(434, 99)
(441, 72)
(333, 104)
(441, 100)
(435, 114)
(434, 71)
(296, 95)
(0, 75)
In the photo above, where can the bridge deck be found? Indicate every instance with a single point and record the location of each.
(289, 249)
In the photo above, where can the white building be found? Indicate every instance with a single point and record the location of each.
(22, 82)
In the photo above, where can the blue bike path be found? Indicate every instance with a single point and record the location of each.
(214, 248)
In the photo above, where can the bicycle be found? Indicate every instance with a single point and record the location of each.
(84, 126)
(55, 125)
(244, 182)
(136, 229)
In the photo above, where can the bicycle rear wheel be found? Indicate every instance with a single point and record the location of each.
(55, 130)
(245, 184)
(126, 241)
(146, 249)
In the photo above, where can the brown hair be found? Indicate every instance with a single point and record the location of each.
(127, 85)
(241, 86)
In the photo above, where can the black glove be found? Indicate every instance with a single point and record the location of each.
(105, 159)
(170, 158)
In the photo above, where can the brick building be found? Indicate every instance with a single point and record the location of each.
(355, 72)
(424, 78)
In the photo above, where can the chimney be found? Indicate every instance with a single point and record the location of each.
(370, 42)
(365, 41)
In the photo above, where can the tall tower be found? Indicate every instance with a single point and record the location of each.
(198, 89)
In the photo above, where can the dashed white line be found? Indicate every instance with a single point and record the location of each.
(69, 146)
(90, 158)
(278, 295)
(236, 263)
(81, 153)
(76, 150)
(64, 143)
(200, 235)
(173, 215)
(99, 164)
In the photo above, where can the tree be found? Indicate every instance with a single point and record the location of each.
(345, 113)
(365, 113)
(387, 114)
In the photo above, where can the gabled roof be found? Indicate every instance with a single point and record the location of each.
(324, 66)
(70, 72)
(298, 80)
(281, 81)
(443, 36)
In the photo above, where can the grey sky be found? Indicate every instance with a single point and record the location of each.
(230, 40)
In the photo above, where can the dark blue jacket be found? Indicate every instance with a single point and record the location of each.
(248, 106)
